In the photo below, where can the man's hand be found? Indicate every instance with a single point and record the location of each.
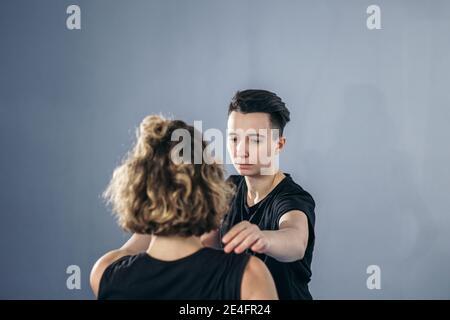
(287, 244)
(211, 239)
(245, 235)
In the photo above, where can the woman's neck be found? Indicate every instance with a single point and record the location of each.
(258, 187)
(168, 248)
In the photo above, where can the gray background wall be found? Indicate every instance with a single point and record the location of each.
(369, 136)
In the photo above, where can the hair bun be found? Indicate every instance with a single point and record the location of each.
(153, 129)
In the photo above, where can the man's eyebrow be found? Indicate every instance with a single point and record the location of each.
(253, 134)
(256, 135)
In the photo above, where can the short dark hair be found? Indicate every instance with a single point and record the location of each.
(256, 100)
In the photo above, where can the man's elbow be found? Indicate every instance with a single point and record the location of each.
(302, 248)
(298, 254)
(301, 254)
(295, 255)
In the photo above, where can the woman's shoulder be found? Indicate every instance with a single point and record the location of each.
(249, 271)
(108, 260)
(257, 281)
(225, 260)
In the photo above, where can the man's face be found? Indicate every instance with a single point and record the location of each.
(251, 143)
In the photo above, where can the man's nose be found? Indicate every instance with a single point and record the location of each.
(242, 149)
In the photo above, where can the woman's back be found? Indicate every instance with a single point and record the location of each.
(155, 192)
(206, 274)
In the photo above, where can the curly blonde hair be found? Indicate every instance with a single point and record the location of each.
(151, 194)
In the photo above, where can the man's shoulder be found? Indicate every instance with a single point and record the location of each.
(292, 189)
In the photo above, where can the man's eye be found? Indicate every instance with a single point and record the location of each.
(233, 139)
(255, 140)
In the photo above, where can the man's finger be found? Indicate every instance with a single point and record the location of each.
(258, 246)
(247, 243)
(234, 231)
(233, 243)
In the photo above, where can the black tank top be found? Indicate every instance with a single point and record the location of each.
(206, 274)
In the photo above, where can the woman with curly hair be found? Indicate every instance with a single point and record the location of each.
(169, 205)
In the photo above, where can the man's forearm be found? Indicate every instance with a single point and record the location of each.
(285, 245)
(137, 243)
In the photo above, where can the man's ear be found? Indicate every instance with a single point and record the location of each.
(280, 144)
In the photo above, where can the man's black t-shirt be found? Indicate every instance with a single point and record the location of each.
(291, 278)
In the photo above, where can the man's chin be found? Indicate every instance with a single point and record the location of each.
(248, 171)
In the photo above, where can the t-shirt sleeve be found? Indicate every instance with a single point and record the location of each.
(296, 200)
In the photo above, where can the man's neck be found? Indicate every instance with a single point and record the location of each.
(173, 247)
(258, 187)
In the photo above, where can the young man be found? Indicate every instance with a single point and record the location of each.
(271, 216)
